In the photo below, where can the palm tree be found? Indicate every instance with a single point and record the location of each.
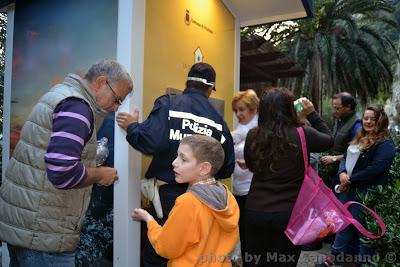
(342, 48)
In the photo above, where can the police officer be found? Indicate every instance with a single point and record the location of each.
(172, 118)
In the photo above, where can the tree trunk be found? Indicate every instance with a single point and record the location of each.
(316, 78)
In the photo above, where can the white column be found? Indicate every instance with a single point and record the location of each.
(130, 53)
(7, 106)
(236, 69)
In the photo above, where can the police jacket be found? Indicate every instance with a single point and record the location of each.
(172, 118)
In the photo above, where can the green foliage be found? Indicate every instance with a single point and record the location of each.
(343, 48)
(96, 238)
(327, 116)
(386, 202)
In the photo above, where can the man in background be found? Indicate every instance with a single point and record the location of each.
(344, 130)
(347, 123)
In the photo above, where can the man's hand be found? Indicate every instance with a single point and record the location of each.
(107, 176)
(103, 175)
(142, 215)
(100, 175)
(326, 160)
(124, 119)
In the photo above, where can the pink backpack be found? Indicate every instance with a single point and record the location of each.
(317, 212)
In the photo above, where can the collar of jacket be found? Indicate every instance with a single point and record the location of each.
(193, 91)
(77, 82)
(348, 116)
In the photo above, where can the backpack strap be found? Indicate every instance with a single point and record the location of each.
(300, 131)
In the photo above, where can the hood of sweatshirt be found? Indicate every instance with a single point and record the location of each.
(221, 203)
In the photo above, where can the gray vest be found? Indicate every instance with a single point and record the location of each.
(33, 213)
(341, 135)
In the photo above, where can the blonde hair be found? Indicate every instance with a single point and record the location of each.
(206, 149)
(248, 97)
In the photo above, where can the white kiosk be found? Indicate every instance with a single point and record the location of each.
(157, 41)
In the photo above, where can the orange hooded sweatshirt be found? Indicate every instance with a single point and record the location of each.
(201, 229)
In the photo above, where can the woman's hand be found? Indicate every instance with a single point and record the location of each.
(344, 179)
(242, 164)
(308, 106)
(344, 188)
(142, 215)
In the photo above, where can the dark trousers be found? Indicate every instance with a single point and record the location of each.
(168, 194)
(266, 242)
(241, 200)
(347, 245)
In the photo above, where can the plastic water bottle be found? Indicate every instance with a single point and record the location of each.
(298, 106)
(101, 151)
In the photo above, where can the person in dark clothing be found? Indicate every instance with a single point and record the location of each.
(103, 197)
(96, 246)
(172, 118)
(346, 125)
(365, 164)
(273, 153)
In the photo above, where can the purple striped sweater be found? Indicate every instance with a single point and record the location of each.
(72, 128)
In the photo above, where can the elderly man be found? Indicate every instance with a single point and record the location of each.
(46, 190)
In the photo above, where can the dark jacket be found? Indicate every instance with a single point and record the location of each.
(342, 136)
(372, 166)
(342, 133)
(277, 190)
(172, 118)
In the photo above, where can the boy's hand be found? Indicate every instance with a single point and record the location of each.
(124, 119)
(142, 215)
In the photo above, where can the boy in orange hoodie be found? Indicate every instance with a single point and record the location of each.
(202, 228)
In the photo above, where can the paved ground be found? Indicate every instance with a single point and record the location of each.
(309, 258)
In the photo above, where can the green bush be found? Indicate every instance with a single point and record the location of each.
(386, 202)
(96, 238)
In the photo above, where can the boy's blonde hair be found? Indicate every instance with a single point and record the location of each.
(206, 149)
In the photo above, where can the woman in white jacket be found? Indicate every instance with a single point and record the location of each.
(245, 105)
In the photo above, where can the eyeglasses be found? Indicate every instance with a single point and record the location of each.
(117, 99)
(337, 108)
